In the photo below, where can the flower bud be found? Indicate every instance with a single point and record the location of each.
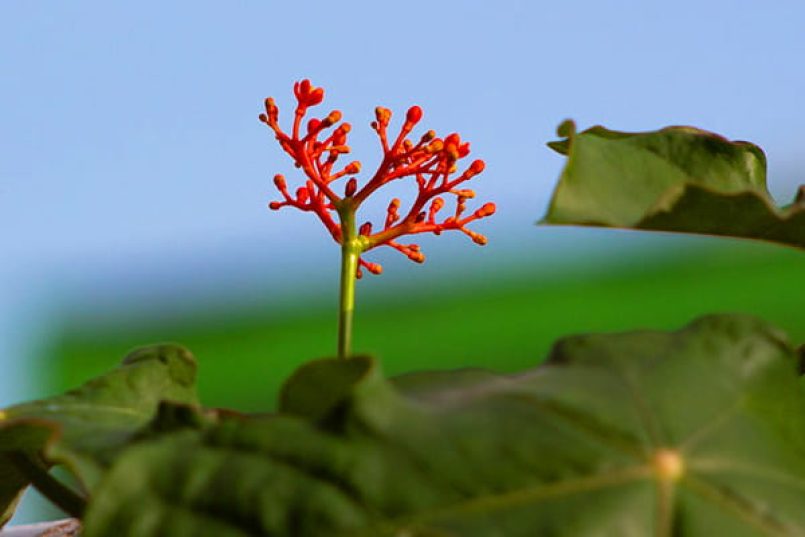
(487, 210)
(477, 238)
(477, 166)
(435, 146)
(374, 268)
(351, 187)
(383, 115)
(332, 118)
(417, 257)
(414, 115)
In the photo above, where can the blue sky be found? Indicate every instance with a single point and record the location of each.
(131, 160)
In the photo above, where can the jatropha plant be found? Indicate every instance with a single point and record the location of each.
(431, 161)
(468, 453)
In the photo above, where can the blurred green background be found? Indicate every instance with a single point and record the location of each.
(505, 321)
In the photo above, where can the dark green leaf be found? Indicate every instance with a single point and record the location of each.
(675, 179)
(694, 433)
(85, 427)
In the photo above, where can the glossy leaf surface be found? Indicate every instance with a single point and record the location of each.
(691, 433)
(676, 179)
(86, 427)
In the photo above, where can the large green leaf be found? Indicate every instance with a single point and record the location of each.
(85, 427)
(675, 179)
(699, 432)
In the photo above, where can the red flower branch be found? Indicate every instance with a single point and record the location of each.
(431, 161)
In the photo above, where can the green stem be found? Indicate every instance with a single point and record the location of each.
(350, 252)
(57, 492)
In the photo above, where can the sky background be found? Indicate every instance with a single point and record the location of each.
(133, 168)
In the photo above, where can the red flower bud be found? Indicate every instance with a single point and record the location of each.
(313, 125)
(351, 187)
(414, 115)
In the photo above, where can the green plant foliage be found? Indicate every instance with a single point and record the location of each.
(86, 427)
(675, 179)
(695, 432)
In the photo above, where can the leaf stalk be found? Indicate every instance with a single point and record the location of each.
(54, 490)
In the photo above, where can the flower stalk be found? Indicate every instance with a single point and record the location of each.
(350, 253)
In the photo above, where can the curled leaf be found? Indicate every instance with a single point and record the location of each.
(676, 179)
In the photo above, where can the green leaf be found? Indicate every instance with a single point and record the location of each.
(86, 427)
(696, 432)
(675, 179)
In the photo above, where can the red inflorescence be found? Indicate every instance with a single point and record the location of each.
(431, 161)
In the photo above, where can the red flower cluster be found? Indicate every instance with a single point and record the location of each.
(431, 161)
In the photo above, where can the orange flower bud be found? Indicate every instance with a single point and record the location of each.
(416, 256)
(383, 115)
(435, 146)
(477, 238)
(487, 210)
(332, 118)
(477, 166)
(374, 268)
(272, 112)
